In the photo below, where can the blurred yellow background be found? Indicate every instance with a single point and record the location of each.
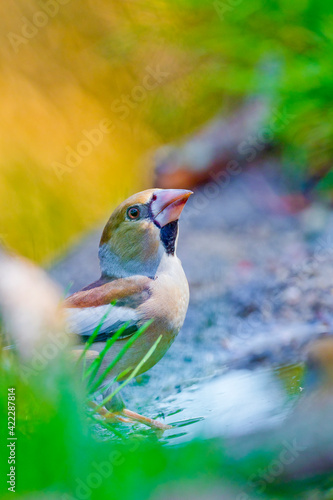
(67, 70)
(90, 89)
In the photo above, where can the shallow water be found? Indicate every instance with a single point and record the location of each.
(236, 403)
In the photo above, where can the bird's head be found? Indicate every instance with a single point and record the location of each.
(141, 231)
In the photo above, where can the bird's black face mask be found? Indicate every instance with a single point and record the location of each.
(169, 236)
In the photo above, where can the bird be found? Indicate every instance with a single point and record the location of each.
(143, 278)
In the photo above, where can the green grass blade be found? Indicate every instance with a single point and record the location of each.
(121, 353)
(95, 365)
(108, 426)
(68, 287)
(133, 374)
(107, 386)
(95, 333)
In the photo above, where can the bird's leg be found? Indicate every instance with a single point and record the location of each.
(130, 417)
(115, 411)
(108, 415)
(136, 417)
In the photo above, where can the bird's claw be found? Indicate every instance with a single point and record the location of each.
(128, 417)
(136, 417)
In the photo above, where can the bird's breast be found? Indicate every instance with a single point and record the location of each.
(169, 298)
(167, 306)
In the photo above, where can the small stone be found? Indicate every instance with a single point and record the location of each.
(292, 295)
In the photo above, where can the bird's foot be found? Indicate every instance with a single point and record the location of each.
(128, 416)
(136, 417)
(108, 415)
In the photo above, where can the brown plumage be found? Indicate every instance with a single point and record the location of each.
(101, 293)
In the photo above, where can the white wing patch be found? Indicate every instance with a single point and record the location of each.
(84, 321)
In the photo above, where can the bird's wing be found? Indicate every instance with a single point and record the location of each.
(110, 319)
(90, 354)
(90, 308)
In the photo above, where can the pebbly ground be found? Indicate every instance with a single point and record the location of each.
(261, 282)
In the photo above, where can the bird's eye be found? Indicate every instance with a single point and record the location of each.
(133, 213)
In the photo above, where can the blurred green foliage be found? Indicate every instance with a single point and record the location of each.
(67, 69)
(61, 454)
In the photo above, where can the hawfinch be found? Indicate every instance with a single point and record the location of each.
(142, 275)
